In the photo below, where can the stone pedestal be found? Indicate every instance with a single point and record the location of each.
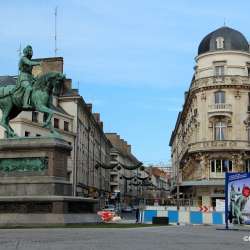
(34, 187)
(34, 166)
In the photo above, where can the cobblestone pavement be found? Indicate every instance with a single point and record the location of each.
(167, 238)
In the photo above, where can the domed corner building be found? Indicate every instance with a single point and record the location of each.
(212, 132)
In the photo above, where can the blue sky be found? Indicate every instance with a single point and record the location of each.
(133, 59)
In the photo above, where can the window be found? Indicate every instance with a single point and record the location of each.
(113, 157)
(219, 97)
(66, 126)
(44, 117)
(248, 71)
(247, 165)
(26, 133)
(220, 42)
(219, 131)
(38, 135)
(221, 166)
(248, 133)
(219, 71)
(56, 123)
(34, 116)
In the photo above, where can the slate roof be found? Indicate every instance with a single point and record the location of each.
(7, 80)
(233, 40)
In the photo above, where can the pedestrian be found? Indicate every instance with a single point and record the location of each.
(137, 215)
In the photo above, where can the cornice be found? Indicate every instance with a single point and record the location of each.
(221, 52)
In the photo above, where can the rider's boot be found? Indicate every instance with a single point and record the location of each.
(26, 99)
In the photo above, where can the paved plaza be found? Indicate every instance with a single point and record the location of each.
(167, 237)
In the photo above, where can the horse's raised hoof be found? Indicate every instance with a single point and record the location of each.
(11, 135)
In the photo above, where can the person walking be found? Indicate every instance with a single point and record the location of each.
(137, 215)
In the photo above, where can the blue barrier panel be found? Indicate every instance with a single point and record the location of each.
(217, 218)
(196, 217)
(173, 216)
(149, 214)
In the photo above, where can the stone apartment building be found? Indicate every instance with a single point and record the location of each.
(160, 190)
(83, 129)
(212, 132)
(121, 180)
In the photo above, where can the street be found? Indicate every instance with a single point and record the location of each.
(165, 237)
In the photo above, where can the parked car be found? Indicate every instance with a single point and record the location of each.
(110, 208)
(127, 209)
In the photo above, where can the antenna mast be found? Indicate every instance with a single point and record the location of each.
(20, 51)
(19, 54)
(56, 49)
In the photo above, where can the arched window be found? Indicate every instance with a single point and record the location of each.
(219, 131)
(219, 97)
(220, 42)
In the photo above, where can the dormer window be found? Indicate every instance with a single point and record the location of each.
(220, 42)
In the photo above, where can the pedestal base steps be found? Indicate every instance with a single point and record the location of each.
(47, 210)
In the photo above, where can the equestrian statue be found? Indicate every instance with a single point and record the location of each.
(29, 93)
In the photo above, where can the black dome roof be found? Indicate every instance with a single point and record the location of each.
(233, 40)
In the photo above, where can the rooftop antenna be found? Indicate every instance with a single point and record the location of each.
(224, 21)
(19, 54)
(78, 83)
(20, 51)
(56, 49)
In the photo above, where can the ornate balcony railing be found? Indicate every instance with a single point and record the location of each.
(220, 108)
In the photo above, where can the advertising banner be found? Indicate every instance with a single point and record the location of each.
(237, 209)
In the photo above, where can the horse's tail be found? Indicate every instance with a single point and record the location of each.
(6, 90)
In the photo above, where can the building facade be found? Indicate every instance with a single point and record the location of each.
(212, 132)
(79, 126)
(122, 180)
(159, 191)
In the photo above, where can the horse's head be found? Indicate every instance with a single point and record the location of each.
(52, 81)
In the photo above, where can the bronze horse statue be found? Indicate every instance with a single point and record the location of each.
(43, 88)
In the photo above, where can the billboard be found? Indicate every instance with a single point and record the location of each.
(237, 207)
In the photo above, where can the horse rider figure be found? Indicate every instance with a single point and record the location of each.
(25, 78)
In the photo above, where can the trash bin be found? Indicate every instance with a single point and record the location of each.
(160, 220)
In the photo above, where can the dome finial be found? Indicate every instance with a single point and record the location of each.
(224, 22)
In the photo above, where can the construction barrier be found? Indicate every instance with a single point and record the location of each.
(183, 216)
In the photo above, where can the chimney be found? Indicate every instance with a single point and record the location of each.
(185, 95)
(48, 64)
(129, 149)
(67, 85)
(89, 107)
(101, 124)
(97, 117)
